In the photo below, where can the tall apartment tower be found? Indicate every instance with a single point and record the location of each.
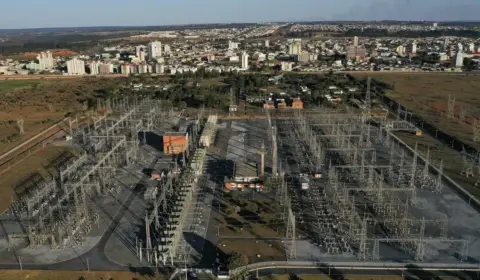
(94, 68)
(460, 47)
(232, 45)
(166, 49)
(139, 50)
(125, 69)
(355, 41)
(45, 60)
(76, 66)
(459, 56)
(471, 47)
(154, 50)
(295, 48)
(244, 61)
(267, 43)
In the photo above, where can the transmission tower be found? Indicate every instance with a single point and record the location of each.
(462, 114)
(20, 122)
(232, 107)
(291, 232)
(467, 169)
(399, 112)
(476, 130)
(451, 107)
(368, 99)
(438, 183)
(477, 183)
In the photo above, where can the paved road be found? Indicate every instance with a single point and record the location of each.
(332, 272)
(94, 259)
(56, 77)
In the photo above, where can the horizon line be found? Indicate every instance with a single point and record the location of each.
(233, 23)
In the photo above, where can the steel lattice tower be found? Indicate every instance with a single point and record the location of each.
(451, 107)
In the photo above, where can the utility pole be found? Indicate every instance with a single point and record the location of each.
(451, 107)
(20, 262)
(262, 160)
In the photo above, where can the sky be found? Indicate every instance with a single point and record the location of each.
(80, 13)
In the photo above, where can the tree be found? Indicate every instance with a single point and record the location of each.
(267, 182)
(235, 260)
(469, 64)
(254, 207)
(181, 105)
(293, 276)
(130, 79)
(237, 209)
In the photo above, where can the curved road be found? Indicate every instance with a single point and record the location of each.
(407, 271)
(95, 258)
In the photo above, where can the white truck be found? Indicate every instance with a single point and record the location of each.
(304, 181)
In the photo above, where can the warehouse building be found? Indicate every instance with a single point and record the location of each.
(175, 143)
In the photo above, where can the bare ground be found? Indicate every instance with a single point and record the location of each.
(427, 96)
(74, 275)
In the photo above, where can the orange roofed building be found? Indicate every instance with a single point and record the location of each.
(269, 105)
(175, 143)
(297, 103)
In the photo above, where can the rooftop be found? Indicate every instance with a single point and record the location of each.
(176, 133)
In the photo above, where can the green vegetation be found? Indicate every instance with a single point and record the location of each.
(235, 260)
(9, 85)
(217, 90)
(213, 90)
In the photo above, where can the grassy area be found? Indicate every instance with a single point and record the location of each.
(272, 89)
(74, 275)
(41, 103)
(452, 160)
(258, 217)
(34, 164)
(255, 250)
(351, 277)
(7, 86)
(212, 82)
(427, 96)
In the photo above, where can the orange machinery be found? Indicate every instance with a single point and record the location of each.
(297, 103)
(175, 142)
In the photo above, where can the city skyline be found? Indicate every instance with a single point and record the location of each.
(152, 13)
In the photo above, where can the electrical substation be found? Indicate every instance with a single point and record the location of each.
(146, 183)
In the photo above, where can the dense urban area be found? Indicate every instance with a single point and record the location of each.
(276, 47)
(346, 150)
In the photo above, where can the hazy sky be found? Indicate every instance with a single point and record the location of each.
(67, 13)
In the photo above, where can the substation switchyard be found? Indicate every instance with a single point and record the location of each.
(120, 197)
(377, 200)
(146, 186)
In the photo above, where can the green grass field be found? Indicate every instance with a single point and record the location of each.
(7, 86)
